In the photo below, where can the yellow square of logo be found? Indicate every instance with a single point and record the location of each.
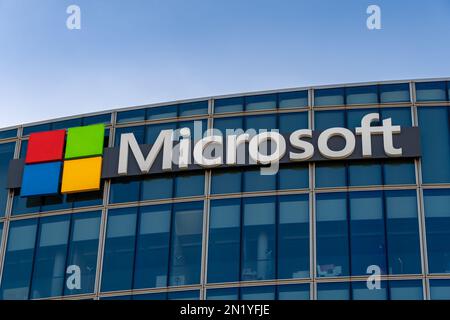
(81, 175)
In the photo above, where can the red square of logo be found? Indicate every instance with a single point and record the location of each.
(45, 146)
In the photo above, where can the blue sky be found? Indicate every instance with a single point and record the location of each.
(137, 52)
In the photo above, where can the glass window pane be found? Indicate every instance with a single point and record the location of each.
(400, 116)
(293, 237)
(293, 292)
(224, 240)
(226, 181)
(66, 124)
(101, 118)
(296, 99)
(362, 95)
(437, 215)
(261, 102)
(290, 122)
(150, 296)
(402, 232)
(157, 187)
(18, 263)
(193, 108)
(258, 252)
(25, 205)
(394, 93)
(329, 119)
(255, 181)
(440, 289)
(120, 242)
(229, 105)
(83, 248)
(184, 295)
(231, 123)
(399, 172)
(223, 294)
(131, 116)
(329, 97)
(152, 251)
(332, 235)
(186, 244)
(161, 112)
(364, 173)
(138, 131)
(360, 291)
(124, 190)
(187, 185)
(367, 232)
(8, 134)
(1, 232)
(333, 291)
(406, 290)
(6, 154)
(152, 131)
(258, 293)
(50, 257)
(435, 140)
(431, 91)
(36, 128)
(293, 177)
(329, 174)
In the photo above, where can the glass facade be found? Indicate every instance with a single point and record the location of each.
(311, 231)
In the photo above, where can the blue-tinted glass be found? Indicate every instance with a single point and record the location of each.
(293, 292)
(18, 263)
(293, 177)
(6, 154)
(261, 102)
(264, 122)
(162, 112)
(332, 235)
(1, 233)
(362, 95)
(152, 250)
(138, 131)
(255, 181)
(101, 118)
(50, 257)
(365, 173)
(400, 116)
(152, 131)
(402, 232)
(437, 215)
(23, 149)
(258, 293)
(330, 174)
(157, 187)
(290, 122)
(333, 291)
(394, 93)
(399, 172)
(37, 128)
(231, 123)
(150, 296)
(367, 232)
(8, 134)
(354, 117)
(406, 290)
(66, 124)
(197, 128)
(116, 298)
(86, 199)
(360, 291)
(431, 91)
(229, 105)
(228, 181)
(448, 90)
(131, 116)
(120, 242)
(329, 97)
(186, 244)
(184, 295)
(434, 123)
(193, 108)
(224, 240)
(440, 289)
(124, 190)
(187, 185)
(293, 237)
(223, 294)
(82, 256)
(56, 202)
(25, 205)
(258, 247)
(296, 99)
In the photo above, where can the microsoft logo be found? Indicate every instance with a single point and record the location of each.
(80, 161)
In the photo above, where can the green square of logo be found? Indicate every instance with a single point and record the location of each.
(85, 141)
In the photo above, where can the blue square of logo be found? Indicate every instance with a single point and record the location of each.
(40, 179)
